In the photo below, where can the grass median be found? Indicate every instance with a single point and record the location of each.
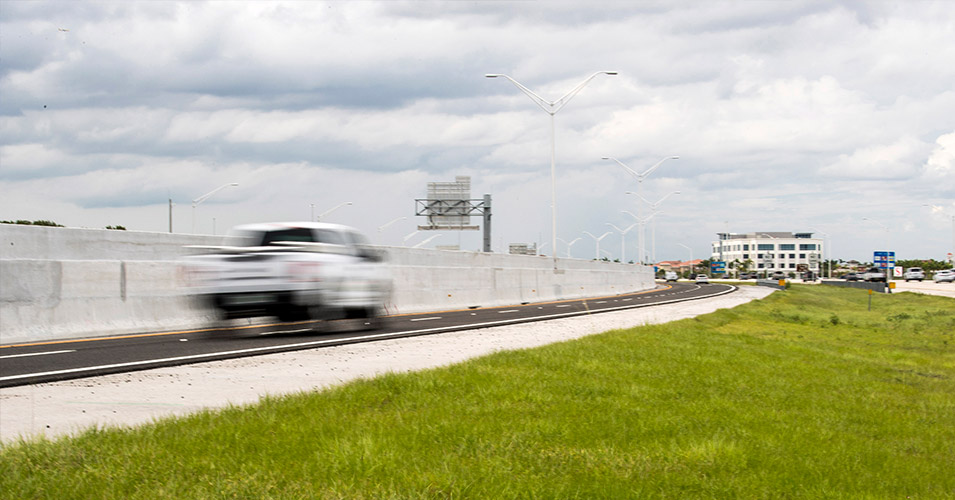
(805, 394)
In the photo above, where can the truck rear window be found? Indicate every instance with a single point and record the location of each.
(298, 234)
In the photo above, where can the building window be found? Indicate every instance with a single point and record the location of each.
(760, 265)
(766, 246)
(746, 247)
(745, 256)
(793, 256)
(807, 246)
(787, 246)
(792, 266)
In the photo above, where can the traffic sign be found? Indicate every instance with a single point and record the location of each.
(884, 260)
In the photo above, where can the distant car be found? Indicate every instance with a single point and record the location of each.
(946, 275)
(914, 273)
(778, 275)
(852, 277)
(702, 279)
(874, 274)
(748, 276)
(671, 276)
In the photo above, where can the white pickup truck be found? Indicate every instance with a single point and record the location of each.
(293, 271)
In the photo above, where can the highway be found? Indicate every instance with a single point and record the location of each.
(32, 363)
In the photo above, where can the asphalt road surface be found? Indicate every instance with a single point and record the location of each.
(33, 363)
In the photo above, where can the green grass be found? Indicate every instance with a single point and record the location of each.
(804, 394)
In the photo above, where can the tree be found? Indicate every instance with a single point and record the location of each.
(21, 222)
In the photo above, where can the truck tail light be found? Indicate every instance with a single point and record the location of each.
(304, 272)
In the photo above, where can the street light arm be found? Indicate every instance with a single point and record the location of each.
(390, 223)
(425, 242)
(336, 207)
(665, 197)
(206, 196)
(570, 95)
(551, 107)
(623, 231)
(657, 164)
(546, 105)
(629, 170)
(876, 222)
(638, 219)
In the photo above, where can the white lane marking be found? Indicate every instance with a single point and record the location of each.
(35, 354)
(508, 311)
(426, 319)
(601, 302)
(624, 300)
(317, 343)
(564, 305)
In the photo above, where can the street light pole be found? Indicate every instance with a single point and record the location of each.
(691, 256)
(653, 228)
(642, 221)
(551, 108)
(203, 198)
(597, 242)
(640, 177)
(623, 240)
(571, 244)
(883, 226)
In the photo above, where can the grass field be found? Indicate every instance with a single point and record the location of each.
(805, 394)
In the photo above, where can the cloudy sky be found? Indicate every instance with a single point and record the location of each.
(786, 116)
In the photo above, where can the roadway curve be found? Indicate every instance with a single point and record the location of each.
(32, 363)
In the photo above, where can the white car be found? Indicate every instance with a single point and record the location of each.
(946, 275)
(671, 276)
(914, 273)
(702, 278)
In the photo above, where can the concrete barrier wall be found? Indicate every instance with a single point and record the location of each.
(58, 283)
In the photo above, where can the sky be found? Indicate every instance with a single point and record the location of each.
(836, 118)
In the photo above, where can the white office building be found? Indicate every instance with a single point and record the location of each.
(770, 252)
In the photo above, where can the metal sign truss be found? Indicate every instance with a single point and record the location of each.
(438, 212)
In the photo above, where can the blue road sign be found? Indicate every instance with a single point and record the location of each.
(884, 260)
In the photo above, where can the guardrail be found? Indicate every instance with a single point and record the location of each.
(877, 286)
(777, 284)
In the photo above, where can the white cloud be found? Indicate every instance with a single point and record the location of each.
(941, 163)
(890, 161)
(807, 114)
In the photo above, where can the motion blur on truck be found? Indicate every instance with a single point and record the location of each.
(296, 271)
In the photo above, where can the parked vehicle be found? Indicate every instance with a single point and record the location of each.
(702, 279)
(778, 275)
(945, 276)
(748, 276)
(874, 274)
(914, 273)
(671, 276)
(293, 271)
(853, 277)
